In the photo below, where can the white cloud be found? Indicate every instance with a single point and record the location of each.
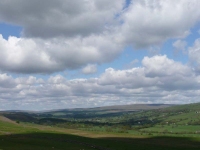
(89, 69)
(70, 34)
(175, 83)
(24, 55)
(6, 81)
(147, 23)
(63, 35)
(59, 35)
(159, 66)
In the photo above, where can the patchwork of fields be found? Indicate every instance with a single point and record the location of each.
(171, 128)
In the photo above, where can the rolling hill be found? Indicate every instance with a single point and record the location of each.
(174, 128)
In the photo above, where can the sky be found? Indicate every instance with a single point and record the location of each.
(57, 54)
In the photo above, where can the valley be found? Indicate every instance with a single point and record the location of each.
(160, 127)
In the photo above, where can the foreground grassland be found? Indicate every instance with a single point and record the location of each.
(27, 136)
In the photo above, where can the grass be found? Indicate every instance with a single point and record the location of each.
(46, 141)
(174, 128)
(30, 137)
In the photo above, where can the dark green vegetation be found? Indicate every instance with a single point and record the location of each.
(175, 128)
(47, 141)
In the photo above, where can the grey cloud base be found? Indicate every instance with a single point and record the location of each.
(50, 18)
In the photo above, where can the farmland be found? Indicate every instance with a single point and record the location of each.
(175, 127)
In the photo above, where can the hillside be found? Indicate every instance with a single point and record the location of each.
(100, 112)
(125, 108)
(168, 120)
(23, 136)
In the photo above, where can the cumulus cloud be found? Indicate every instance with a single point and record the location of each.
(24, 55)
(64, 35)
(159, 66)
(89, 69)
(59, 35)
(51, 18)
(175, 83)
(147, 23)
(6, 81)
(69, 34)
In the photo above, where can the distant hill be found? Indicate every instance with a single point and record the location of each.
(133, 107)
(80, 113)
(152, 118)
(114, 108)
(119, 108)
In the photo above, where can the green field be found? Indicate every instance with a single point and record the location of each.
(171, 128)
(27, 137)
